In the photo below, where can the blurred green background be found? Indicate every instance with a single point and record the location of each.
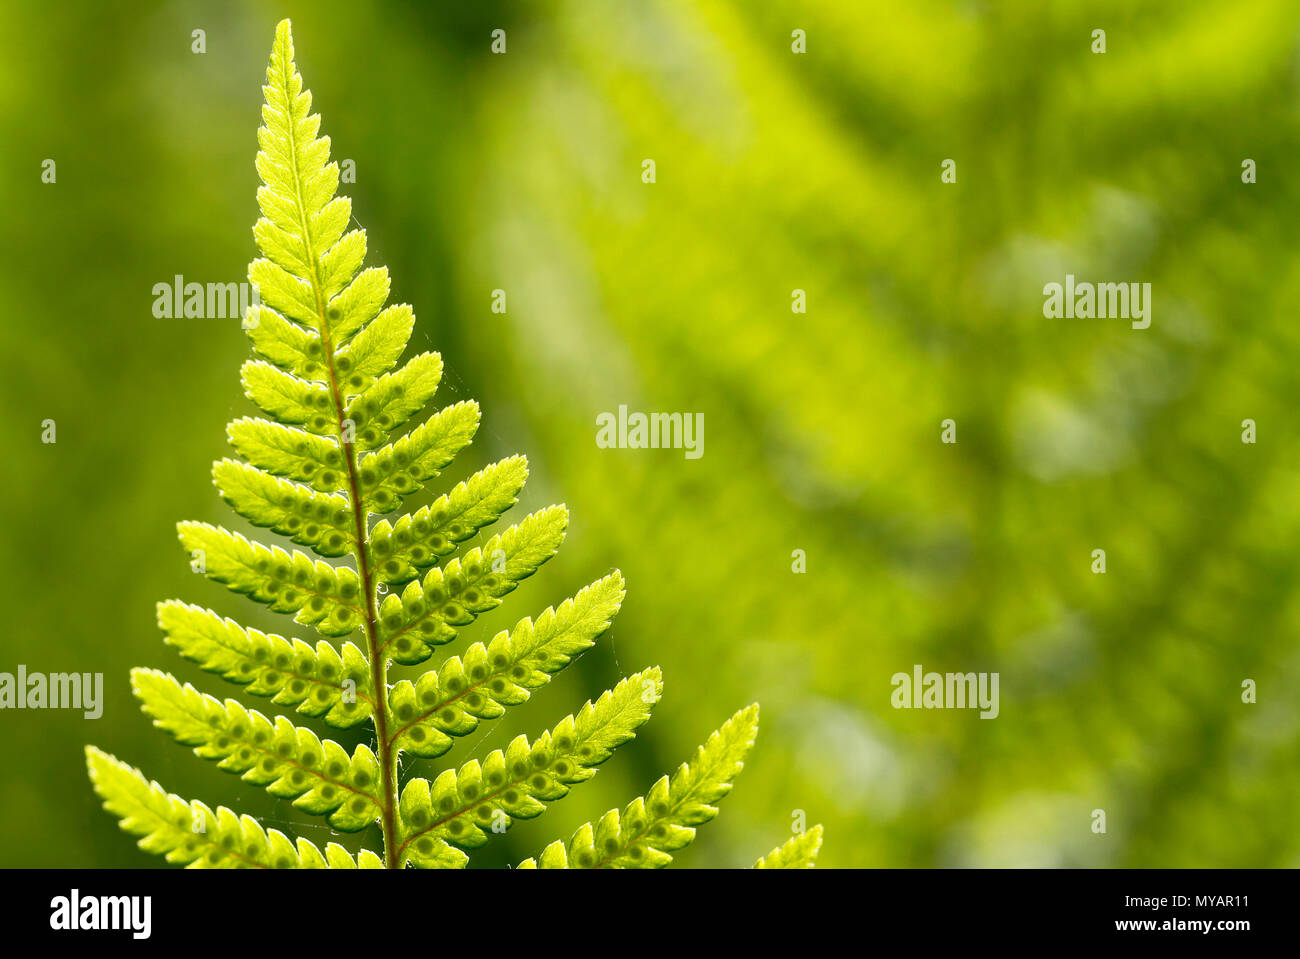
(775, 172)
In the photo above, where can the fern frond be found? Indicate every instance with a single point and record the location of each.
(663, 821)
(461, 806)
(416, 541)
(333, 447)
(319, 682)
(428, 612)
(319, 520)
(319, 595)
(394, 398)
(797, 852)
(191, 834)
(451, 700)
(290, 761)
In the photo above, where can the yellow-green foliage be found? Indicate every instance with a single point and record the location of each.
(327, 456)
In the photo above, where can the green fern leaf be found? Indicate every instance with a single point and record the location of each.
(319, 682)
(326, 456)
(462, 806)
(451, 700)
(798, 852)
(191, 834)
(290, 761)
(662, 821)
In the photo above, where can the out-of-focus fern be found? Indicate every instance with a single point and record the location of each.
(327, 456)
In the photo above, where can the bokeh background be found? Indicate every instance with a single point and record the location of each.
(775, 171)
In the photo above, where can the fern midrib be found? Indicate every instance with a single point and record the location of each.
(378, 664)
